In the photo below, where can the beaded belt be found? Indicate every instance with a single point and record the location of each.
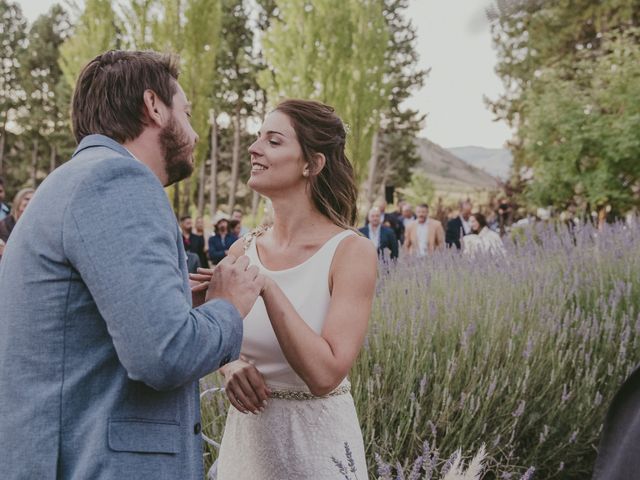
(300, 395)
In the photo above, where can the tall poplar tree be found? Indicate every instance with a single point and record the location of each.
(394, 150)
(46, 121)
(96, 31)
(332, 51)
(13, 27)
(191, 28)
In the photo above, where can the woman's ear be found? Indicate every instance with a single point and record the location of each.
(319, 161)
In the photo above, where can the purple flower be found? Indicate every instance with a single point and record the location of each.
(528, 475)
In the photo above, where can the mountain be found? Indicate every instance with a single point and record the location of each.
(452, 176)
(495, 161)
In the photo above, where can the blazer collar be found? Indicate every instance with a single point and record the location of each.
(97, 140)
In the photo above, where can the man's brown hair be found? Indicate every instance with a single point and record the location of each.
(109, 94)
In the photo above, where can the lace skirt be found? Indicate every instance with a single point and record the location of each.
(294, 439)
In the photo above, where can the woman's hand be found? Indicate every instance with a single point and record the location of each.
(245, 386)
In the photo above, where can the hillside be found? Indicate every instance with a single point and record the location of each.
(495, 161)
(452, 176)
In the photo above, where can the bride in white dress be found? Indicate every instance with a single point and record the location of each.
(293, 410)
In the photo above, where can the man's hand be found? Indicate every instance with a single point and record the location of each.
(198, 292)
(232, 280)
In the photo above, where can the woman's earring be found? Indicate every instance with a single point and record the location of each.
(305, 173)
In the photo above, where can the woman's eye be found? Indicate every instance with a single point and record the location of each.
(273, 142)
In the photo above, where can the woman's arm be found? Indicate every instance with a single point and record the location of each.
(324, 360)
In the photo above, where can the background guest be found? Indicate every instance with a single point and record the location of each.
(382, 236)
(4, 208)
(193, 243)
(220, 243)
(482, 238)
(20, 202)
(237, 214)
(425, 235)
(235, 228)
(459, 227)
(198, 231)
(407, 215)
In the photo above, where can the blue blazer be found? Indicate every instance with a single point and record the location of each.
(100, 348)
(387, 240)
(217, 247)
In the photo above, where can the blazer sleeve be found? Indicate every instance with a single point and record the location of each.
(440, 236)
(407, 237)
(121, 236)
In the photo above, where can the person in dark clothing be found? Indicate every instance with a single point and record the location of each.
(618, 457)
(458, 227)
(382, 236)
(4, 208)
(20, 202)
(193, 242)
(220, 243)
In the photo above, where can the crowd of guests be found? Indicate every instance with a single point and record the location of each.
(204, 248)
(415, 233)
(408, 231)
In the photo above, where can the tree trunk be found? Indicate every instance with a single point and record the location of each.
(2, 143)
(213, 178)
(201, 174)
(52, 158)
(186, 196)
(235, 161)
(176, 199)
(373, 163)
(602, 218)
(34, 163)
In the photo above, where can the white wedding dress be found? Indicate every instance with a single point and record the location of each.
(292, 438)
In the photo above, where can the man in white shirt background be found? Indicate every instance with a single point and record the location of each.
(382, 236)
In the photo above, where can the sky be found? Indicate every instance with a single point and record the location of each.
(455, 42)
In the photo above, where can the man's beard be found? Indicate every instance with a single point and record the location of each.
(177, 150)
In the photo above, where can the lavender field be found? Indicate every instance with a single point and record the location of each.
(522, 354)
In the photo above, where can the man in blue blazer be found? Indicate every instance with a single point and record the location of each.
(381, 236)
(101, 349)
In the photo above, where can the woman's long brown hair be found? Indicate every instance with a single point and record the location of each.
(320, 130)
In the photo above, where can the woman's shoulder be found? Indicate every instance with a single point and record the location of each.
(355, 248)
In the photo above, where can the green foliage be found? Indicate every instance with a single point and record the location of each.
(201, 41)
(582, 135)
(96, 31)
(13, 30)
(419, 189)
(541, 42)
(332, 51)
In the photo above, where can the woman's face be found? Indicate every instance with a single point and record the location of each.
(276, 157)
(23, 204)
(473, 223)
(222, 228)
(236, 230)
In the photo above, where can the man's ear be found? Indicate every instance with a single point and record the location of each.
(154, 108)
